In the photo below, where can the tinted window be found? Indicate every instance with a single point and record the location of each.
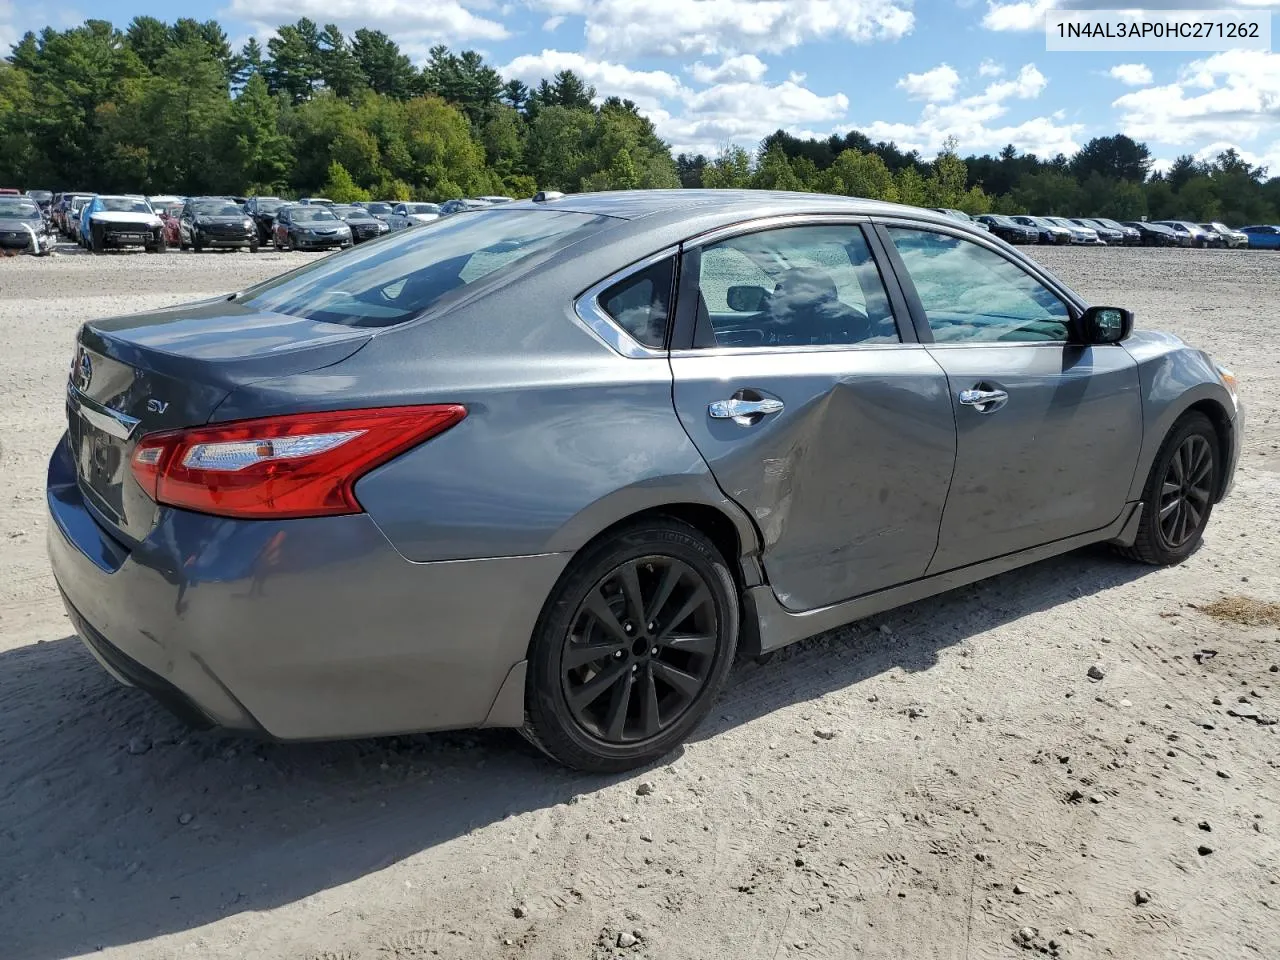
(972, 294)
(394, 280)
(217, 208)
(796, 286)
(267, 206)
(641, 304)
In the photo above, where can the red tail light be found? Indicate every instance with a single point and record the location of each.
(300, 465)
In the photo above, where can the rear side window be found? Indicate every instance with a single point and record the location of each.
(383, 284)
(641, 304)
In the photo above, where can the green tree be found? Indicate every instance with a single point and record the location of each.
(773, 172)
(386, 70)
(339, 68)
(339, 186)
(262, 154)
(857, 174)
(730, 170)
(295, 61)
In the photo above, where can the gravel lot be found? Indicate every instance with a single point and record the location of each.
(933, 817)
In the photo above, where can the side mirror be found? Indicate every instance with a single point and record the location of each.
(746, 299)
(1106, 324)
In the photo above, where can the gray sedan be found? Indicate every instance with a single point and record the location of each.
(554, 464)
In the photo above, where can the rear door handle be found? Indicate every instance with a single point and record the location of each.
(984, 401)
(742, 411)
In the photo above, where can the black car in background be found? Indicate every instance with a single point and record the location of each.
(1154, 234)
(1008, 230)
(208, 222)
(1049, 233)
(43, 199)
(262, 211)
(364, 225)
(379, 208)
(1129, 236)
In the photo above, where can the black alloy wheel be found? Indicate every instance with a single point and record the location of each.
(1179, 493)
(1186, 490)
(632, 647)
(640, 650)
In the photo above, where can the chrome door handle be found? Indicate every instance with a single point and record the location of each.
(984, 401)
(742, 411)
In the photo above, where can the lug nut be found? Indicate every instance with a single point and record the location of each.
(654, 651)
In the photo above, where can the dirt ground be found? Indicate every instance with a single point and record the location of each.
(981, 796)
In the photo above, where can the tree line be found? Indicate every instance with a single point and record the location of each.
(171, 108)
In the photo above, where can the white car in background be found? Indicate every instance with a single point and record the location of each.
(496, 199)
(411, 214)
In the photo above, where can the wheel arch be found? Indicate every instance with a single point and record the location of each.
(1222, 427)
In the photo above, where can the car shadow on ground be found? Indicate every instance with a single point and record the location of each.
(118, 825)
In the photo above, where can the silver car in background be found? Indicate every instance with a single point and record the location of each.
(552, 465)
(405, 215)
(1079, 233)
(23, 226)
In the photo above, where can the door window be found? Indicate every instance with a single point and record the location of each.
(641, 303)
(794, 286)
(972, 294)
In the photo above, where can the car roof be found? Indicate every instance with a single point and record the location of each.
(638, 204)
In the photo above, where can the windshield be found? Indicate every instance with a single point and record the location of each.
(217, 208)
(79, 202)
(309, 214)
(398, 278)
(18, 208)
(352, 213)
(381, 209)
(269, 206)
(40, 196)
(421, 208)
(125, 205)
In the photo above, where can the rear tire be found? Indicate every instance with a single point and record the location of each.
(657, 586)
(1179, 493)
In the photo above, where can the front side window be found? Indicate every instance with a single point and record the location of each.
(794, 286)
(972, 294)
(389, 282)
(641, 303)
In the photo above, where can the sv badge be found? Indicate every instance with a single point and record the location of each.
(157, 406)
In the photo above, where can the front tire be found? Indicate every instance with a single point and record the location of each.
(631, 648)
(1179, 493)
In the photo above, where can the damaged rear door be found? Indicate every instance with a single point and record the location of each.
(798, 376)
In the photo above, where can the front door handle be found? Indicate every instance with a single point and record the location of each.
(745, 412)
(984, 401)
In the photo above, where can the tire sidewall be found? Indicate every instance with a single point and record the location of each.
(553, 726)
(1194, 423)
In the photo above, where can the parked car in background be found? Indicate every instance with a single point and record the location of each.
(212, 222)
(1230, 238)
(43, 199)
(23, 226)
(382, 209)
(1195, 236)
(1105, 234)
(309, 227)
(171, 218)
(1008, 229)
(115, 221)
(78, 202)
(10, 192)
(1079, 234)
(304, 539)
(960, 215)
(462, 205)
(1128, 236)
(1047, 232)
(1264, 236)
(306, 201)
(364, 225)
(164, 200)
(496, 199)
(262, 211)
(1157, 234)
(411, 214)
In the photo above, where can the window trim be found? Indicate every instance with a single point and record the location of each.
(1074, 303)
(593, 317)
(682, 342)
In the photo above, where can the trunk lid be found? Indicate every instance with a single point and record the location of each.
(170, 369)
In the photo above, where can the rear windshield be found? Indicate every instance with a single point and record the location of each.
(269, 206)
(421, 208)
(352, 213)
(379, 208)
(218, 208)
(396, 279)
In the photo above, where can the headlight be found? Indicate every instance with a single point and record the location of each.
(1229, 381)
(248, 224)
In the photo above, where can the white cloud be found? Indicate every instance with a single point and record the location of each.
(1233, 96)
(989, 68)
(934, 86)
(648, 88)
(1020, 15)
(742, 67)
(746, 113)
(1269, 158)
(552, 23)
(414, 25)
(1131, 74)
(625, 29)
(978, 122)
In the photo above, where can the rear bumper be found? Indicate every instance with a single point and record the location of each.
(300, 629)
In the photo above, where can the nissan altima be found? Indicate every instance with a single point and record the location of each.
(552, 465)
